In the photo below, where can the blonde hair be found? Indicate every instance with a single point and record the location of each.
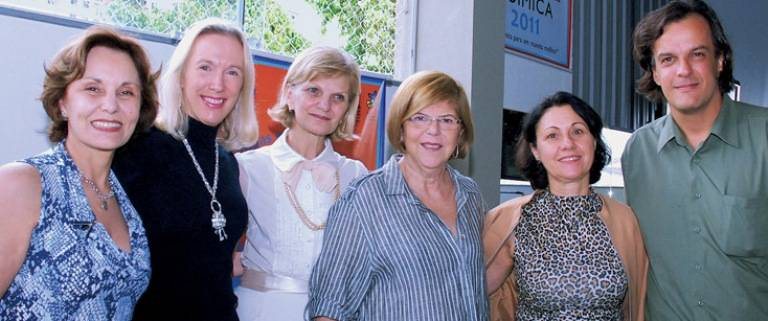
(240, 128)
(321, 62)
(421, 90)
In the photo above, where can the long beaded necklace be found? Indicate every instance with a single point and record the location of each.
(300, 211)
(103, 197)
(218, 221)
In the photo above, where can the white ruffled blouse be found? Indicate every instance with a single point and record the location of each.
(278, 242)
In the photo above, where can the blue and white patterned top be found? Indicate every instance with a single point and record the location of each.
(386, 256)
(73, 269)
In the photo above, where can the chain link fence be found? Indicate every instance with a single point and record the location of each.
(364, 28)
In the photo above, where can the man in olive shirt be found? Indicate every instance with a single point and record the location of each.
(697, 178)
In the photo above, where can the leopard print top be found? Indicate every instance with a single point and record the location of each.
(565, 263)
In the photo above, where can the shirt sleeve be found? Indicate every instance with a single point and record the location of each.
(625, 159)
(342, 274)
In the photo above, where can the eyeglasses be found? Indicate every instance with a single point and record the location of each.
(447, 122)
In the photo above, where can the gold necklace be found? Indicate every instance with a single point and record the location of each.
(300, 211)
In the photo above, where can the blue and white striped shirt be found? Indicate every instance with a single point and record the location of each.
(386, 256)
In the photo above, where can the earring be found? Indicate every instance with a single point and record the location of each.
(456, 152)
(64, 115)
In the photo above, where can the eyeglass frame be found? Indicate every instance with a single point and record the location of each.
(427, 121)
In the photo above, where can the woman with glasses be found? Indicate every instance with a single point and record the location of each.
(403, 243)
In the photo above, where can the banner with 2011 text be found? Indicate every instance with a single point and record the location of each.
(540, 28)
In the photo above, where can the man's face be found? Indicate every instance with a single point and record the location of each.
(686, 66)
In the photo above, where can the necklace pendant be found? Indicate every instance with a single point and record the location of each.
(218, 221)
(104, 206)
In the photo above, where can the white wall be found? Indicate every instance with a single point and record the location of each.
(465, 40)
(28, 45)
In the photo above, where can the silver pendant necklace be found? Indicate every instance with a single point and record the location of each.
(103, 197)
(218, 221)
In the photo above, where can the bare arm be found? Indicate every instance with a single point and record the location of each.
(498, 270)
(322, 319)
(19, 213)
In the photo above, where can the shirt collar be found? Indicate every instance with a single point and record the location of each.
(284, 157)
(393, 176)
(725, 127)
(669, 132)
(395, 181)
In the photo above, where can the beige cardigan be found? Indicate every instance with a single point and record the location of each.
(625, 234)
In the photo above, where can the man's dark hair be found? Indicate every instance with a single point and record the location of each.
(651, 27)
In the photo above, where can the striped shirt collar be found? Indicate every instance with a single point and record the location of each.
(396, 184)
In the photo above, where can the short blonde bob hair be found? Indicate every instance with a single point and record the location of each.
(422, 90)
(240, 128)
(321, 62)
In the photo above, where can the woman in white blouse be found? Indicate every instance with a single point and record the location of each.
(290, 185)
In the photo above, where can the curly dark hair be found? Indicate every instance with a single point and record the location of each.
(532, 169)
(651, 27)
(69, 65)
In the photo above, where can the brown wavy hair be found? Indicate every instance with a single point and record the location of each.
(69, 65)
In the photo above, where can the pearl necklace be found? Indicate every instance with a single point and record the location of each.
(300, 211)
(103, 197)
(218, 221)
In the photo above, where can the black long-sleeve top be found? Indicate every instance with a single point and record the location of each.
(191, 268)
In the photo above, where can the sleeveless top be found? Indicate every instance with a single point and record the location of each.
(566, 265)
(73, 269)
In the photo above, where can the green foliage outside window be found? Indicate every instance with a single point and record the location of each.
(367, 26)
(270, 27)
(136, 14)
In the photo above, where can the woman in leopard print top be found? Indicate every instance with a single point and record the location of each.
(564, 252)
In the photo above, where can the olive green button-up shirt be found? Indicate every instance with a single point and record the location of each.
(704, 216)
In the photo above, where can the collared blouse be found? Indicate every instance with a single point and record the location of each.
(388, 257)
(278, 242)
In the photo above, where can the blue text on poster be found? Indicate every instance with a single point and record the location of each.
(541, 28)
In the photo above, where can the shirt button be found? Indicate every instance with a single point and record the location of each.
(697, 229)
(698, 268)
(698, 195)
(700, 303)
(696, 160)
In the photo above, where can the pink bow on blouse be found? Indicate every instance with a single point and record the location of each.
(323, 175)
